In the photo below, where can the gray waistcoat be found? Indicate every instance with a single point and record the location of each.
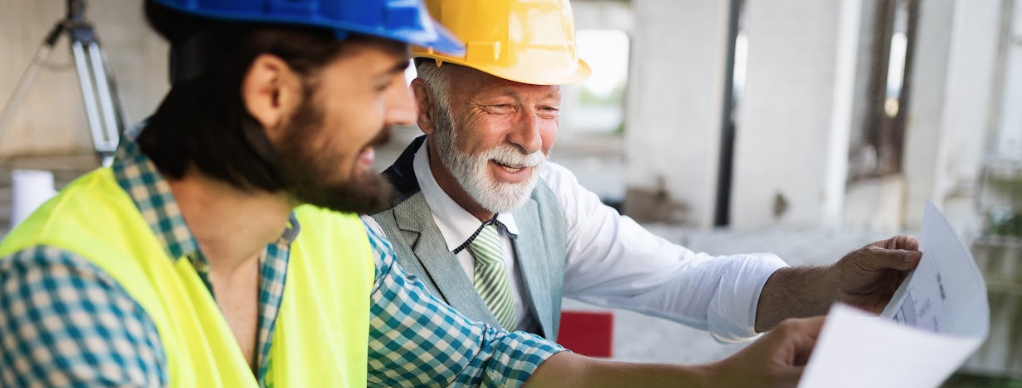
(421, 249)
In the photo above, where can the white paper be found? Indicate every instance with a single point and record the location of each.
(857, 350)
(936, 319)
(946, 293)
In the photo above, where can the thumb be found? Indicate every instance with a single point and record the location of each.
(803, 343)
(803, 349)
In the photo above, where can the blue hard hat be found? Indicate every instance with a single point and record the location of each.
(405, 21)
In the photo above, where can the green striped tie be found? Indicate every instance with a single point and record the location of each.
(491, 278)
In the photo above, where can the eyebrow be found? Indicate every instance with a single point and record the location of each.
(506, 91)
(398, 67)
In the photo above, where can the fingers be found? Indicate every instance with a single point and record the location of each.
(775, 360)
(799, 337)
(875, 256)
(898, 259)
(905, 242)
(811, 329)
(806, 340)
(812, 326)
(803, 332)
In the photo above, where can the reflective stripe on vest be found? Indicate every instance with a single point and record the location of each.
(321, 335)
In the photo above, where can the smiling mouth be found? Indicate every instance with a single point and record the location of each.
(368, 155)
(511, 169)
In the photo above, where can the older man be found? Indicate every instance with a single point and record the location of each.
(501, 235)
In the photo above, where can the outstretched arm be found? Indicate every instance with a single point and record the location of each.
(865, 278)
(777, 359)
(416, 340)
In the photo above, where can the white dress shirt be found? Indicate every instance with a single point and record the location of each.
(614, 262)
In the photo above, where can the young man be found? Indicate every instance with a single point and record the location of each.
(190, 261)
(501, 235)
(181, 264)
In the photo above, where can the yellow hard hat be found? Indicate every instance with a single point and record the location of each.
(527, 41)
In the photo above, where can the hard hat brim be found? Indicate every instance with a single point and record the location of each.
(439, 38)
(521, 74)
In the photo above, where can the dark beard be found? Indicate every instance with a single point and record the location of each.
(307, 169)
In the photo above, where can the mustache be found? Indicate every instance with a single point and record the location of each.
(509, 155)
(381, 138)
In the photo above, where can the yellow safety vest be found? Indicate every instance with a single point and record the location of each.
(322, 331)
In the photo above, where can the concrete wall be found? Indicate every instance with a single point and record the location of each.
(51, 119)
(803, 104)
(791, 147)
(674, 104)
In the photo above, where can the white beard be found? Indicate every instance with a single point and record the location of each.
(472, 172)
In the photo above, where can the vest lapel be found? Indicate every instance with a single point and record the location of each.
(534, 264)
(415, 221)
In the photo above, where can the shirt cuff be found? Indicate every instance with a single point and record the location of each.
(732, 314)
(517, 355)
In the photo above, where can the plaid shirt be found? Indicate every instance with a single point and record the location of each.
(65, 322)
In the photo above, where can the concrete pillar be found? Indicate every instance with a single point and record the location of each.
(870, 203)
(791, 151)
(674, 104)
(949, 112)
(1007, 144)
(51, 119)
(861, 105)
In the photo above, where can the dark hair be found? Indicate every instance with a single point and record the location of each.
(203, 121)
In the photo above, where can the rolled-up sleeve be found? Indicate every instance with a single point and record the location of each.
(416, 340)
(614, 262)
(66, 323)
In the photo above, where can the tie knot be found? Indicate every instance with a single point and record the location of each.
(486, 246)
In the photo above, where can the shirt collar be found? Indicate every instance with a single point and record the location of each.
(144, 183)
(455, 223)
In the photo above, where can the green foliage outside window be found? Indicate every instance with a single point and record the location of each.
(1009, 223)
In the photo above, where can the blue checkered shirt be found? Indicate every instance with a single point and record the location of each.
(65, 322)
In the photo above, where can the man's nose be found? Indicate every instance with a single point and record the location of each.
(401, 109)
(526, 133)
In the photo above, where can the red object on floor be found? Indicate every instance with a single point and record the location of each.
(589, 333)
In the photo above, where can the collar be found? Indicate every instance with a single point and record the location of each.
(150, 192)
(455, 223)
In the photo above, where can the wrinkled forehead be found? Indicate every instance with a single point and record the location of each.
(468, 82)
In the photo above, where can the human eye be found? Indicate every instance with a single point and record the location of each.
(500, 108)
(549, 112)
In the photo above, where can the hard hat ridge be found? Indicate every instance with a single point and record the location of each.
(524, 41)
(402, 20)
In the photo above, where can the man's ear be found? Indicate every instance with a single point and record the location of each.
(271, 91)
(424, 100)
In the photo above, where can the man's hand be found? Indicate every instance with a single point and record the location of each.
(777, 359)
(867, 277)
